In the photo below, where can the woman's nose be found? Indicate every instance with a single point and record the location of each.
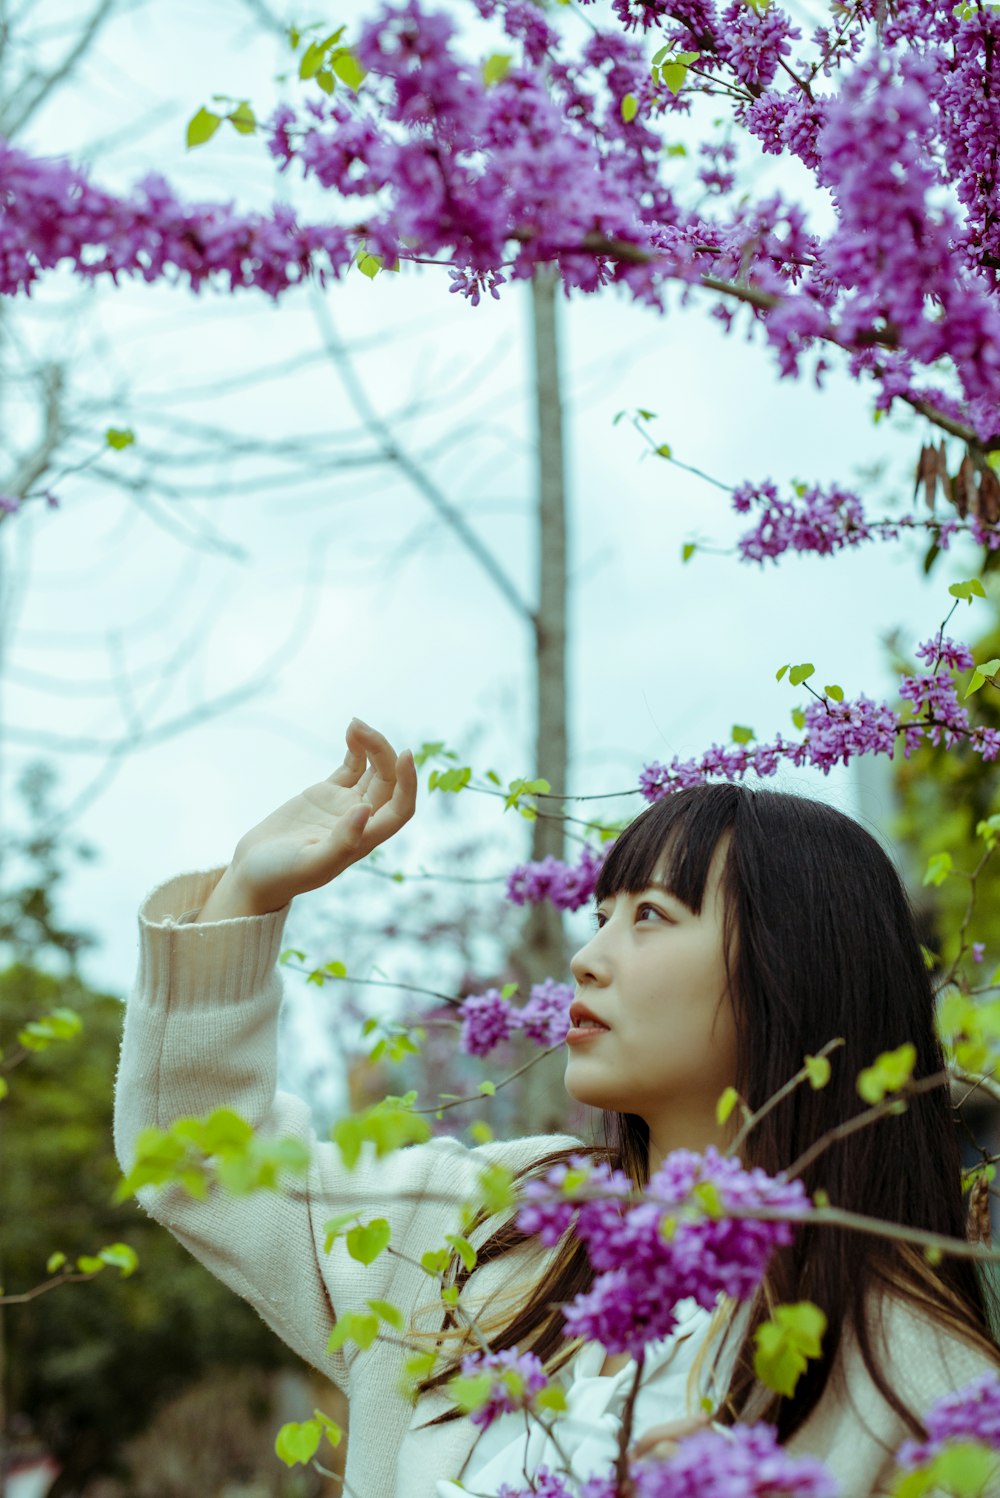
(588, 965)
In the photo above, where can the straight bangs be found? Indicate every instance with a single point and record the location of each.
(671, 843)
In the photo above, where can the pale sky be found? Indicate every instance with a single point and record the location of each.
(367, 604)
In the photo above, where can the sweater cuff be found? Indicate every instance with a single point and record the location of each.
(211, 964)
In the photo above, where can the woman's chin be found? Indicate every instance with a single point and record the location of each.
(589, 1091)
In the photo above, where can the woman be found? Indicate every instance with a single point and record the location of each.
(737, 933)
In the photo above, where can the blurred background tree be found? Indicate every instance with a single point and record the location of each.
(86, 1369)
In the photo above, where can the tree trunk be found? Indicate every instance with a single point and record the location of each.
(543, 952)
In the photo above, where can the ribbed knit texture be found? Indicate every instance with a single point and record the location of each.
(201, 1033)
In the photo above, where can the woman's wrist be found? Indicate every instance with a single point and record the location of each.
(230, 900)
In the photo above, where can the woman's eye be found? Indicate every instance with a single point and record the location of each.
(654, 909)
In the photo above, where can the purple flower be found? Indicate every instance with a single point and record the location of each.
(971, 1413)
(743, 1461)
(516, 1379)
(487, 1019)
(568, 886)
(545, 1484)
(978, 951)
(545, 1017)
(685, 1238)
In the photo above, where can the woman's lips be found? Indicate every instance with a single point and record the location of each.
(586, 1026)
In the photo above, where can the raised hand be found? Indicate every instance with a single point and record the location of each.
(322, 831)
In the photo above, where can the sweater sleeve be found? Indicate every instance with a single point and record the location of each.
(201, 1033)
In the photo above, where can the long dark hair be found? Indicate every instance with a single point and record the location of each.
(820, 942)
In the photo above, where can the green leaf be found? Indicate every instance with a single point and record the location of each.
(119, 437)
(89, 1264)
(818, 1071)
(780, 674)
(785, 1343)
(727, 1102)
(890, 1071)
(939, 866)
(4, 1088)
(290, 952)
(312, 60)
(120, 1256)
(54, 1263)
(552, 1397)
(242, 118)
(335, 969)
(298, 1442)
(465, 1250)
(835, 692)
(366, 1241)
(987, 671)
(496, 68)
(673, 75)
(333, 1228)
(496, 1187)
(630, 108)
(435, 1260)
(202, 126)
(706, 1193)
(348, 69)
(798, 717)
(454, 780)
(741, 734)
(481, 1132)
(386, 1311)
(369, 265)
(963, 1469)
(687, 551)
(967, 589)
(799, 674)
(508, 991)
(326, 80)
(354, 1326)
(488, 1089)
(675, 150)
(471, 1393)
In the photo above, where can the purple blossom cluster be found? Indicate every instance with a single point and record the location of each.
(488, 1018)
(685, 1238)
(837, 732)
(568, 886)
(516, 1379)
(742, 1462)
(823, 522)
(494, 175)
(971, 1413)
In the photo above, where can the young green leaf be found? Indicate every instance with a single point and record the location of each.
(785, 1343)
(727, 1102)
(496, 68)
(202, 126)
(366, 1241)
(890, 1071)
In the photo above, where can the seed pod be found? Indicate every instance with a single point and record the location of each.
(989, 496)
(979, 1228)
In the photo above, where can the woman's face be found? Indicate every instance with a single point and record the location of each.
(654, 973)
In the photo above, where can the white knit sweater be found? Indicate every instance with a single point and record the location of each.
(201, 1033)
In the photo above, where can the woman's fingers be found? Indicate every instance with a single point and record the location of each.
(661, 1440)
(397, 804)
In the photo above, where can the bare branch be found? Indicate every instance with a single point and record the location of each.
(394, 453)
(11, 121)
